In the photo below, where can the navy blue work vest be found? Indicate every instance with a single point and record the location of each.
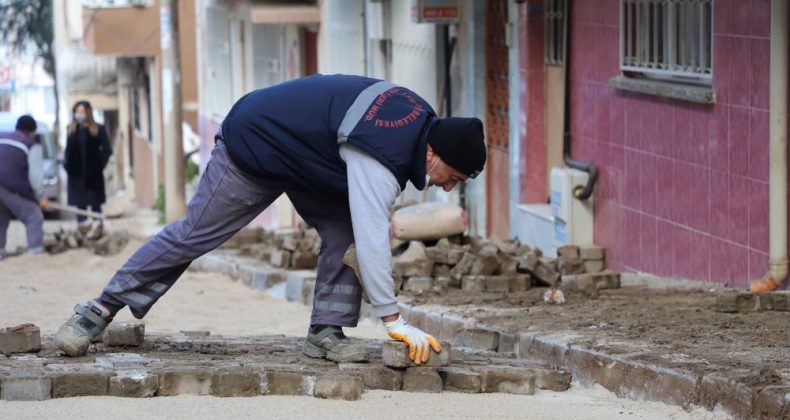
(291, 132)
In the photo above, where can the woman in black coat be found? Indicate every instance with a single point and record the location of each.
(87, 153)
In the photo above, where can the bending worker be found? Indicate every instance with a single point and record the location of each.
(342, 148)
(22, 184)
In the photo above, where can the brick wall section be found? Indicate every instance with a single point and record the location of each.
(684, 187)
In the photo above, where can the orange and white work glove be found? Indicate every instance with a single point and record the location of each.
(417, 340)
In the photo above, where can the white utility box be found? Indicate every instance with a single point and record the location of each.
(573, 218)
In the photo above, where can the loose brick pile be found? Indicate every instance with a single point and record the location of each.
(492, 265)
(294, 248)
(103, 243)
(198, 363)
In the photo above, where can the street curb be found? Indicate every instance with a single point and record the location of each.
(624, 376)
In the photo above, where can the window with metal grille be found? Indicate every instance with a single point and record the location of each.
(553, 27)
(669, 39)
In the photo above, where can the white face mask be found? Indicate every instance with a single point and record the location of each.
(79, 117)
(428, 175)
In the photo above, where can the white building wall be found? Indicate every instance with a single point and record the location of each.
(341, 40)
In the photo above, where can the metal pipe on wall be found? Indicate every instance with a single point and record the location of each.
(778, 142)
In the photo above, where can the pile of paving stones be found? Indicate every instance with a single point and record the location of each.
(292, 248)
(198, 363)
(99, 242)
(493, 265)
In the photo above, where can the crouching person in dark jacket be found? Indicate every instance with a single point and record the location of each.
(22, 184)
(342, 148)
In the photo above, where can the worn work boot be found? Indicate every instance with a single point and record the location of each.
(76, 334)
(330, 343)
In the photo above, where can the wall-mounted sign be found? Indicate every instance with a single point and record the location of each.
(434, 11)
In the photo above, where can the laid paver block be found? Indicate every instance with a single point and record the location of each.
(735, 302)
(375, 376)
(460, 379)
(186, 381)
(508, 381)
(130, 334)
(508, 343)
(25, 338)
(264, 277)
(79, 384)
(477, 338)
(25, 386)
(133, 384)
(422, 379)
(520, 283)
(236, 383)
(339, 387)
(594, 266)
(396, 354)
(287, 383)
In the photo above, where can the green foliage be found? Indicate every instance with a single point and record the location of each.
(191, 170)
(26, 23)
(159, 204)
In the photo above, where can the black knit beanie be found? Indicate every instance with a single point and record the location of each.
(459, 143)
(26, 123)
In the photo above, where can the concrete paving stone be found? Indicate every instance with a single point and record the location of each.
(288, 383)
(422, 379)
(418, 284)
(592, 252)
(772, 402)
(133, 384)
(417, 317)
(473, 283)
(236, 382)
(422, 268)
(129, 334)
(396, 354)
(443, 281)
(460, 379)
(570, 252)
(781, 301)
(498, 284)
(295, 284)
(718, 390)
(528, 262)
(520, 282)
(508, 381)
(464, 265)
(478, 338)
(546, 273)
(509, 265)
(308, 292)
(432, 323)
(304, 259)
(437, 254)
(280, 258)
(25, 338)
(375, 376)
(79, 384)
(454, 256)
(266, 277)
(570, 266)
(187, 381)
(25, 386)
(731, 302)
(594, 266)
(451, 326)
(441, 270)
(485, 265)
(123, 360)
(508, 343)
(339, 387)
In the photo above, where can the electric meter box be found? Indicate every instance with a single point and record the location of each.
(573, 218)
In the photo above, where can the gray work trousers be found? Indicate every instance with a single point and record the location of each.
(227, 199)
(28, 212)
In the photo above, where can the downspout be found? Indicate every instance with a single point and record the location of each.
(580, 192)
(778, 143)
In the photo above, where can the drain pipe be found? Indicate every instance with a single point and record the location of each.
(778, 143)
(581, 192)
